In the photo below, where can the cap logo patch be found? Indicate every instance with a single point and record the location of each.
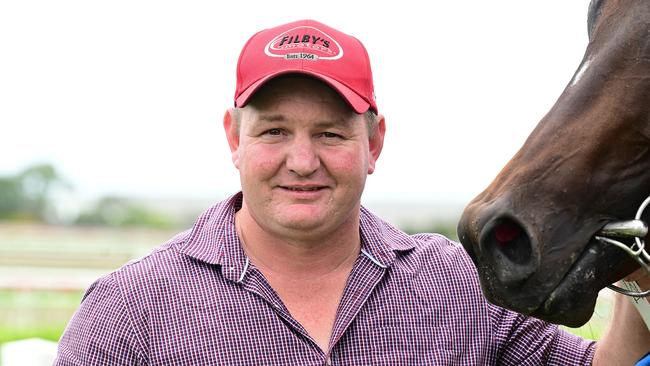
(304, 43)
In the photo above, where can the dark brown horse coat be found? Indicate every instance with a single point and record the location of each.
(587, 163)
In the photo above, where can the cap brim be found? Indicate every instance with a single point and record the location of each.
(357, 103)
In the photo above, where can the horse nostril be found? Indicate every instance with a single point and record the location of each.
(508, 239)
(506, 232)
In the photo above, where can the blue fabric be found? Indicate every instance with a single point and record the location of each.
(644, 361)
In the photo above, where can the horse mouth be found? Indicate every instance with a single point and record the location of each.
(573, 300)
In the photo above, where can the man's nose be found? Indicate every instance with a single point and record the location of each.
(302, 157)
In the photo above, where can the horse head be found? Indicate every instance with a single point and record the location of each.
(586, 164)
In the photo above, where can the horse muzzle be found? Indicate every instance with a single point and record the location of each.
(551, 271)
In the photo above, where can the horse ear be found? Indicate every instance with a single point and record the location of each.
(595, 7)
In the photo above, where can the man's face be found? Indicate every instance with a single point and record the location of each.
(303, 156)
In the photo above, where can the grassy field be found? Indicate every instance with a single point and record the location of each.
(44, 272)
(41, 314)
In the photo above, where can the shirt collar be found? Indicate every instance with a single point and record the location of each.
(213, 239)
(380, 241)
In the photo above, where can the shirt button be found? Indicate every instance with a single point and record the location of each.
(328, 362)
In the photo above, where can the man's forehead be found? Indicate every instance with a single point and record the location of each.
(298, 97)
(297, 85)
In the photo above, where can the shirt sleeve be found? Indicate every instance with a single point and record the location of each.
(524, 340)
(100, 332)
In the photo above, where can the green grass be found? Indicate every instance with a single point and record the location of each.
(26, 313)
(598, 323)
(51, 333)
(41, 314)
(36, 299)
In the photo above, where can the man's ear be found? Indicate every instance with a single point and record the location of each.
(376, 143)
(231, 127)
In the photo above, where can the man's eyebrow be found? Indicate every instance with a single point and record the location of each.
(345, 122)
(271, 118)
(337, 122)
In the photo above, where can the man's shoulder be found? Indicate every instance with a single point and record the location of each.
(438, 243)
(162, 260)
(438, 251)
(152, 282)
(201, 243)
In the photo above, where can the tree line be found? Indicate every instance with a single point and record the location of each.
(35, 193)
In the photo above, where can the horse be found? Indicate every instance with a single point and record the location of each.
(533, 233)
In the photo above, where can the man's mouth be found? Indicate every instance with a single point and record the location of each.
(302, 189)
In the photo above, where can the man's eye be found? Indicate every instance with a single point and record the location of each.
(273, 132)
(331, 135)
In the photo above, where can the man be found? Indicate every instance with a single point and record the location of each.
(292, 270)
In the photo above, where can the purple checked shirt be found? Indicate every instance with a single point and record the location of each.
(410, 300)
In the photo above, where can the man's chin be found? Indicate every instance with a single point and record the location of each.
(304, 219)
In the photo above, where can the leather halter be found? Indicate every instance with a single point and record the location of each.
(636, 229)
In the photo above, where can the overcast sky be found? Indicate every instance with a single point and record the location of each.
(127, 97)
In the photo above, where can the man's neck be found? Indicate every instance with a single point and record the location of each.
(299, 257)
(309, 276)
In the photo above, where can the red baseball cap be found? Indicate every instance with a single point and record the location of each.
(311, 48)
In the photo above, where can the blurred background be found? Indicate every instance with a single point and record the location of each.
(111, 112)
